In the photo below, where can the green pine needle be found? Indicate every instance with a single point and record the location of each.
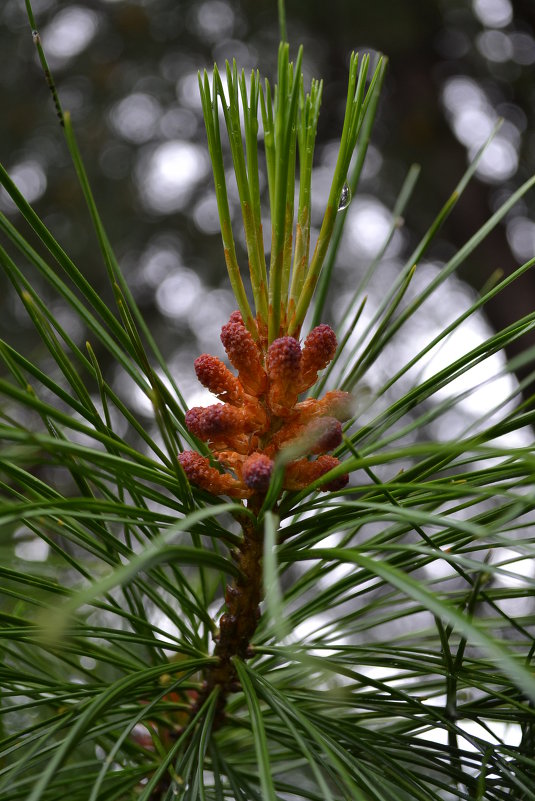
(393, 656)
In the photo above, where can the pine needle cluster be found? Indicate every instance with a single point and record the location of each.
(294, 593)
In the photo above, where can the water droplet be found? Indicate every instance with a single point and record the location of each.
(345, 197)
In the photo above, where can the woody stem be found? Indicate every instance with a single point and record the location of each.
(239, 622)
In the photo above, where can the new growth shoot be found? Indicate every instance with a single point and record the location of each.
(261, 418)
(261, 438)
(289, 116)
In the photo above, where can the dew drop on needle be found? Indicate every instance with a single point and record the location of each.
(345, 197)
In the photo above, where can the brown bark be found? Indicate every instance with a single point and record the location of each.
(239, 622)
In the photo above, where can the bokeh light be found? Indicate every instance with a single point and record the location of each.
(169, 173)
(30, 179)
(69, 32)
(493, 13)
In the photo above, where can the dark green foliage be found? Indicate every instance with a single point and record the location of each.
(393, 658)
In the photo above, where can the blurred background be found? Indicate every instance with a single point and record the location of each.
(127, 71)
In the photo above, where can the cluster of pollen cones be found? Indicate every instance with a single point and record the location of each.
(260, 414)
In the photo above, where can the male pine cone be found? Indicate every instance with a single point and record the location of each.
(260, 414)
